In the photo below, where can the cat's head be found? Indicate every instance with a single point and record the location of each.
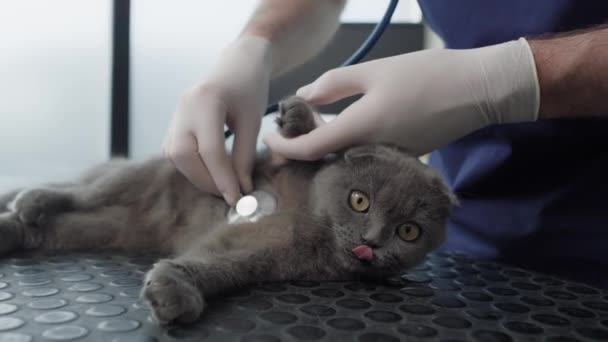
(387, 209)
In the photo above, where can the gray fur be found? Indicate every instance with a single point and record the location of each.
(149, 207)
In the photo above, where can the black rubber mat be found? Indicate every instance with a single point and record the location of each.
(449, 298)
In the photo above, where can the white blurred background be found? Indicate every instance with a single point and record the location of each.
(54, 87)
(55, 68)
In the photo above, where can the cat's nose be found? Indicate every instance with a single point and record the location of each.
(369, 242)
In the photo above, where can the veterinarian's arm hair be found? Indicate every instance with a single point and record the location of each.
(572, 70)
(297, 29)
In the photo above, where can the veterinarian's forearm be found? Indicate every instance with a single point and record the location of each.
(297, 29)
(573, 73)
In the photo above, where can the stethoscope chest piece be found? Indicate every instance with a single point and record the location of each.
(252, 207)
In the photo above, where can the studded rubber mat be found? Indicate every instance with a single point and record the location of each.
(451, 297)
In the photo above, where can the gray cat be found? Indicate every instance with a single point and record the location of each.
(370, 211)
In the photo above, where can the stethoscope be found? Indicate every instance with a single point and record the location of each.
(258, 204)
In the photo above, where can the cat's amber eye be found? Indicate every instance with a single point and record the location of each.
(359, 201)
(408, 232)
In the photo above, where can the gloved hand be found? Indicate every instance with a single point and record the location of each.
(420, 101)
(236, 94)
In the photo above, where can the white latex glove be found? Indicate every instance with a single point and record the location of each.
(236, 94)
(420, 101)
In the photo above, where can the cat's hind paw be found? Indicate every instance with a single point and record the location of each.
(36, 206)
(295, 117)
(171, 295)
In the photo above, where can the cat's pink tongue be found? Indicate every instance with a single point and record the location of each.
(363, 252)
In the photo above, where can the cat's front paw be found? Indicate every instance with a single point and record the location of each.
(295, 117)
(171, 294)
(36, 206)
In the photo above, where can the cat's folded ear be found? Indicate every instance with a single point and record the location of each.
(454, 199)
(439, 183)
(375, 152)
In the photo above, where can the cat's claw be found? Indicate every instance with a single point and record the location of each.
(171, 295)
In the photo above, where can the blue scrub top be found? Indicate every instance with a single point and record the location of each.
(534, 194)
